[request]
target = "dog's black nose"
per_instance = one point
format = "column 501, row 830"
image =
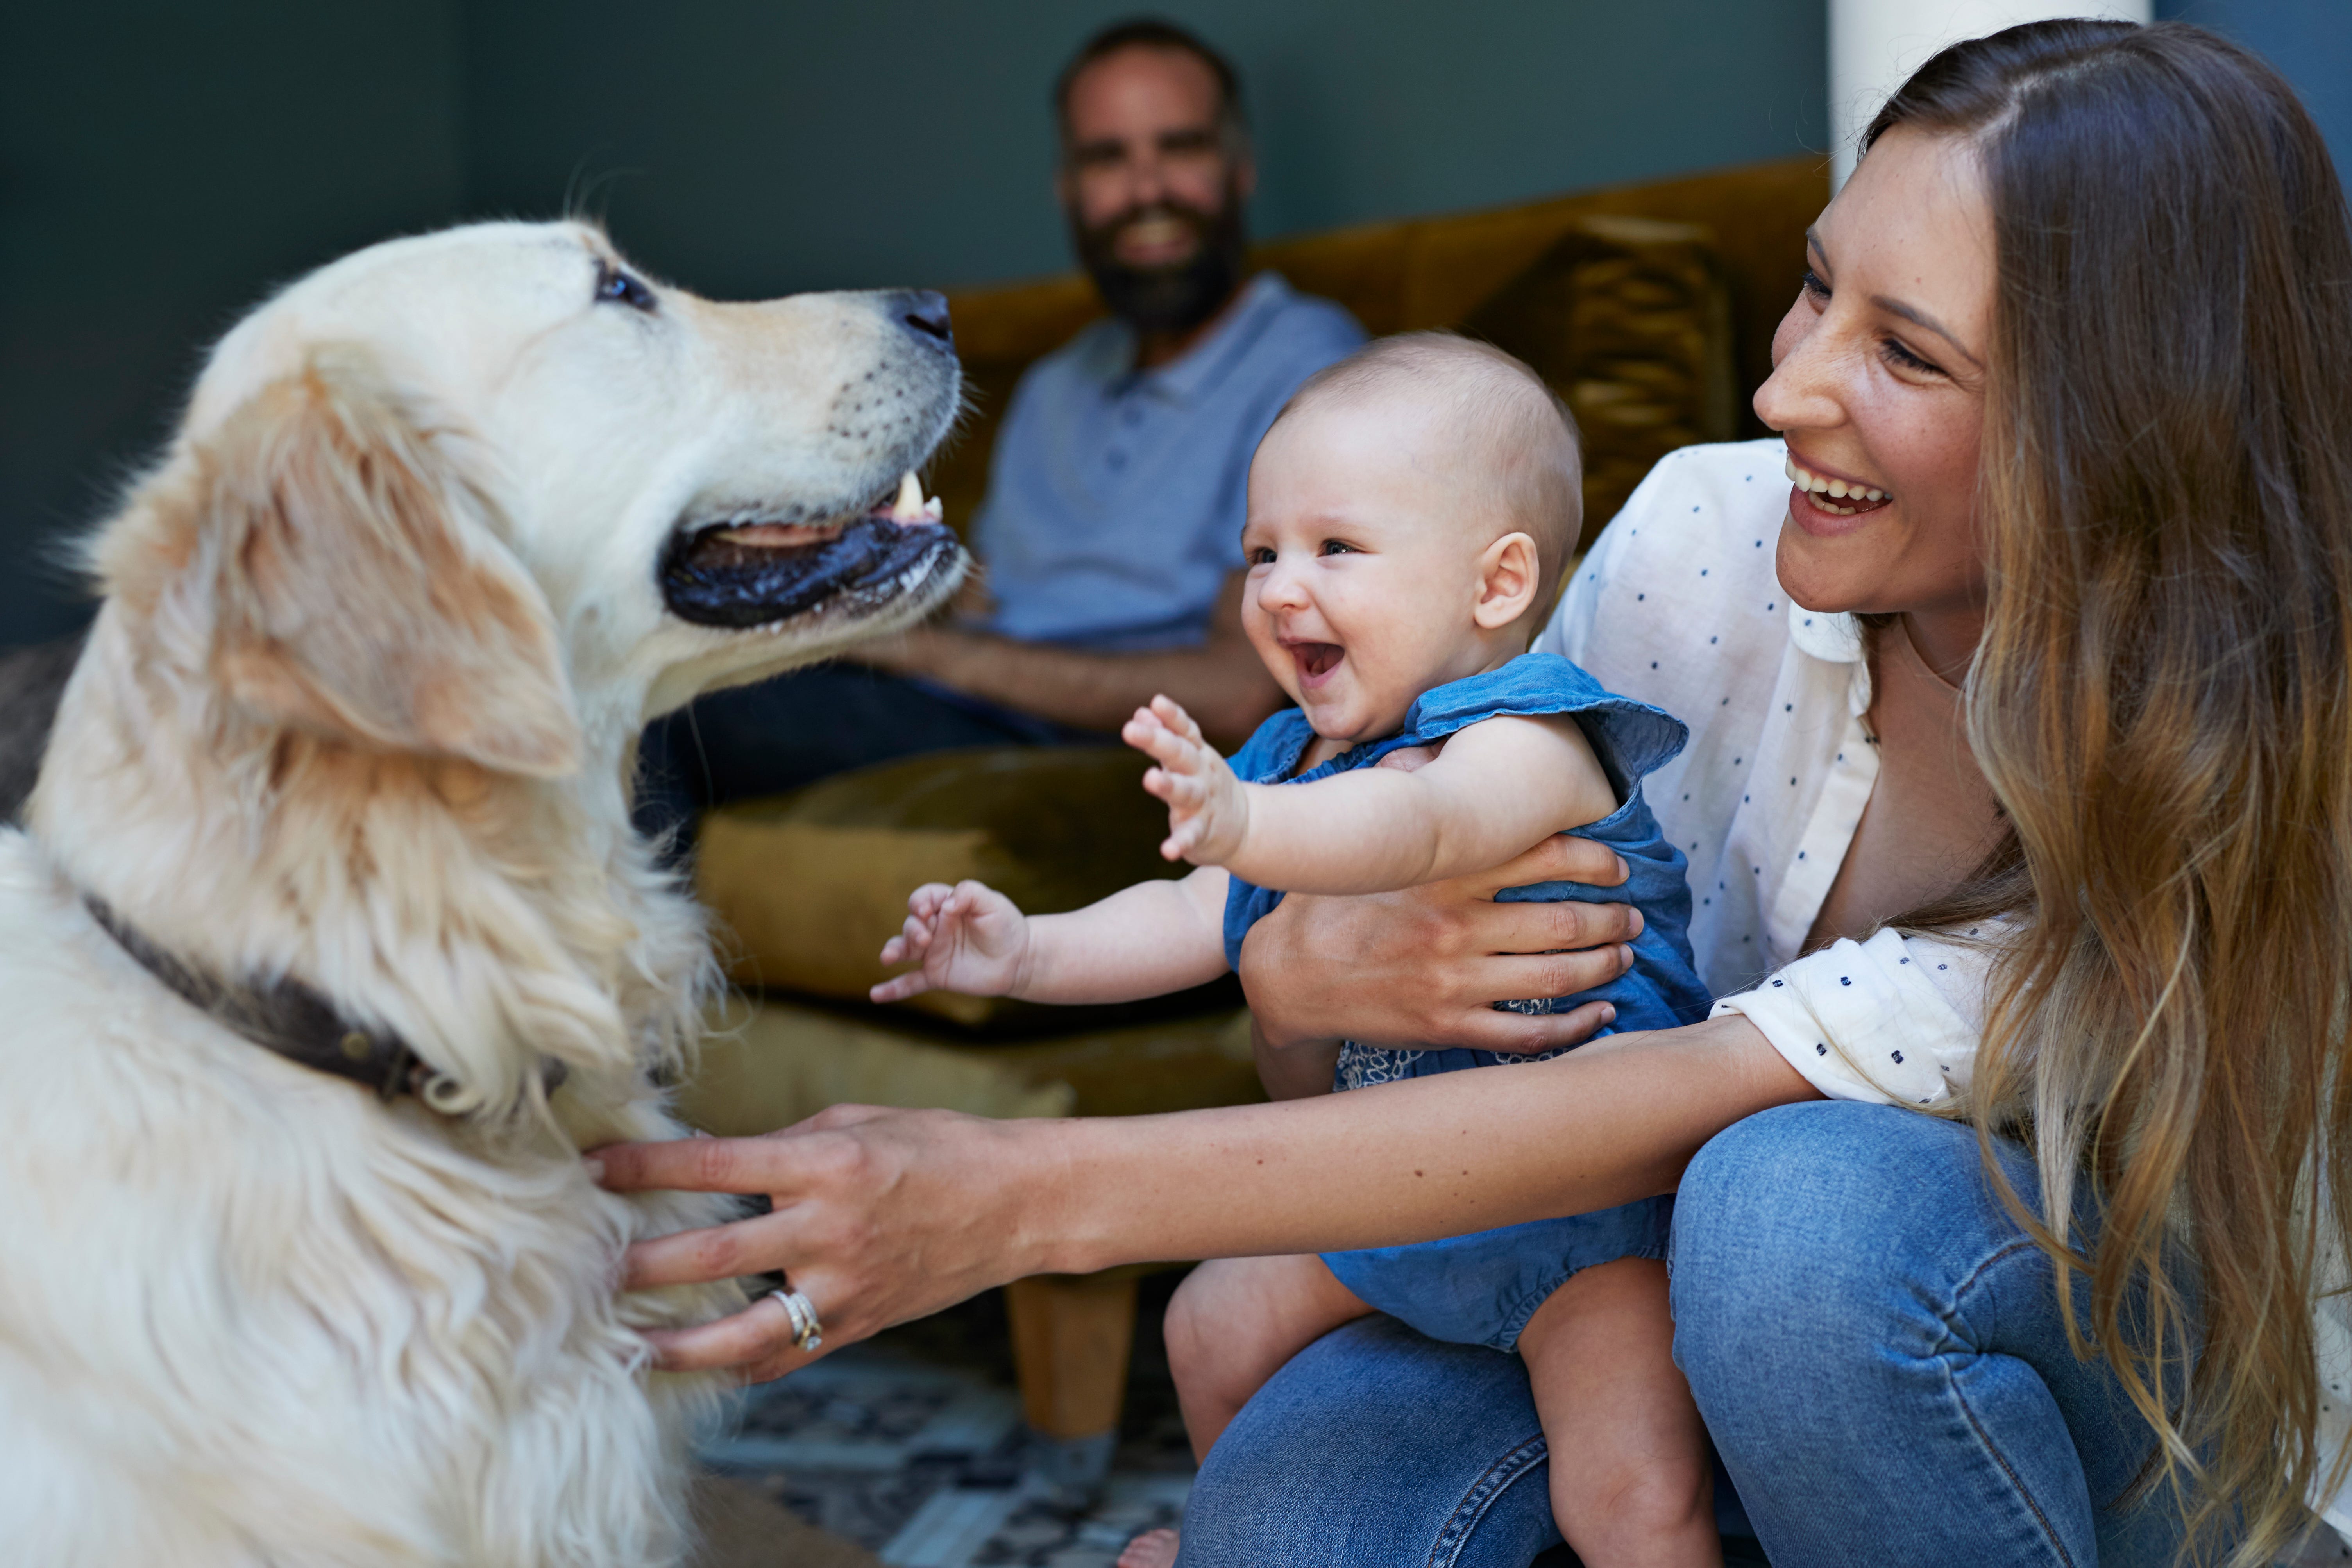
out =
column 924, row 312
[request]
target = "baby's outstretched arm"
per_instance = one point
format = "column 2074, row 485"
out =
column 1144, row 941
column 1498, row 786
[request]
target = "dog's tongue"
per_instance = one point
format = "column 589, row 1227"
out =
column 908, row 507
column 781, row 535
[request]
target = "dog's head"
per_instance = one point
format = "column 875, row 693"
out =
column 487, row 493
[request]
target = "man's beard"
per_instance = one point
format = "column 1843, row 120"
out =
column 1176, row 298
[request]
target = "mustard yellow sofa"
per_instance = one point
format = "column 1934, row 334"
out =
column 1649, row 307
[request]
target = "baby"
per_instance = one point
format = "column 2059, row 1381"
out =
column 1410, row 511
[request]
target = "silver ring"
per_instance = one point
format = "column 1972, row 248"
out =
column 807, row 1333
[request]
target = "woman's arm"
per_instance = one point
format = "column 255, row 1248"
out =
column 884, row 1216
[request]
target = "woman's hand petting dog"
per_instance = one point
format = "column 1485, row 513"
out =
column 969, row 938
column 877, row 1217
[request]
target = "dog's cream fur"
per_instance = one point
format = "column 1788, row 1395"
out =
column 377, row 636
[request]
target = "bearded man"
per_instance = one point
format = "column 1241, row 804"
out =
column 1110, row 535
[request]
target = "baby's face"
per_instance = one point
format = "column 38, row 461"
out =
column 1363, row 563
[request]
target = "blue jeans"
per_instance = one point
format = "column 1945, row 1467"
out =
column 1874, row 1344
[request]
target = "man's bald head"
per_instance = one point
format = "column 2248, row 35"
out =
column 1520, row 463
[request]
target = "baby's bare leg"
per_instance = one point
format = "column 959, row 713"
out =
column 1630, row 1479
column 1233, row 1324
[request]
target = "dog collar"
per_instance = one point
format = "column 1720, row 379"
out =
column 288, row 1018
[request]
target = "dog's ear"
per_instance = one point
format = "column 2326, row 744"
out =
column 358, row 591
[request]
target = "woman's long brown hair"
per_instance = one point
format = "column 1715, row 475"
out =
column 2163, row 705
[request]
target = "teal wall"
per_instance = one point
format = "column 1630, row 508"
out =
column 2310, row 41
column 160, row 164
column 163, row 164
column 753, row 148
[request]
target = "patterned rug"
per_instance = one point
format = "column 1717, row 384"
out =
column 912, row 1446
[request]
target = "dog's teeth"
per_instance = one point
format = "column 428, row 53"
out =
column 932, row 510
column 909, row 507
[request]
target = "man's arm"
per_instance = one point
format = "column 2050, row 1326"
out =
column 1222, row 682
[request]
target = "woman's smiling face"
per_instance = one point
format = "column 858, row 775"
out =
column 1878, row 385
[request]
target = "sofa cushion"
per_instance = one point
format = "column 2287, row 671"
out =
column 1629, row 320
column 770, row 1062
column 807, row 886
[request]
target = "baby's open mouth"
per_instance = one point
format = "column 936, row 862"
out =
column 1316, row 659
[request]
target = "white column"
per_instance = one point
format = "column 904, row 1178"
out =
column 1875, row 44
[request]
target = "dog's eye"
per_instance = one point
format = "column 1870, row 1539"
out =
column 616, row 287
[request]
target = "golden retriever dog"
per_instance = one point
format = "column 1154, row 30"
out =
column 344, row 770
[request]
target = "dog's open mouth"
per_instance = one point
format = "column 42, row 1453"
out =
column 748, row 570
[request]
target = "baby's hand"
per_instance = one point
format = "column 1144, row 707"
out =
column 968, row 937
column 1208, row 807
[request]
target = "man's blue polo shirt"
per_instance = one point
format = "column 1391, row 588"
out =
column 1115, row 496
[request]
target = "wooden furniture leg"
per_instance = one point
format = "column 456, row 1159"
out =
column 1072, row 1335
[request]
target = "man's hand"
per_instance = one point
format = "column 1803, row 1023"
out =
column 1208, row 807
column 1425, row 966
column 968, row 937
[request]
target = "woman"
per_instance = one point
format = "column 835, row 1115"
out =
column 2068, row 394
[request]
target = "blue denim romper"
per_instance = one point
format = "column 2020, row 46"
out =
column 1482, row 1288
